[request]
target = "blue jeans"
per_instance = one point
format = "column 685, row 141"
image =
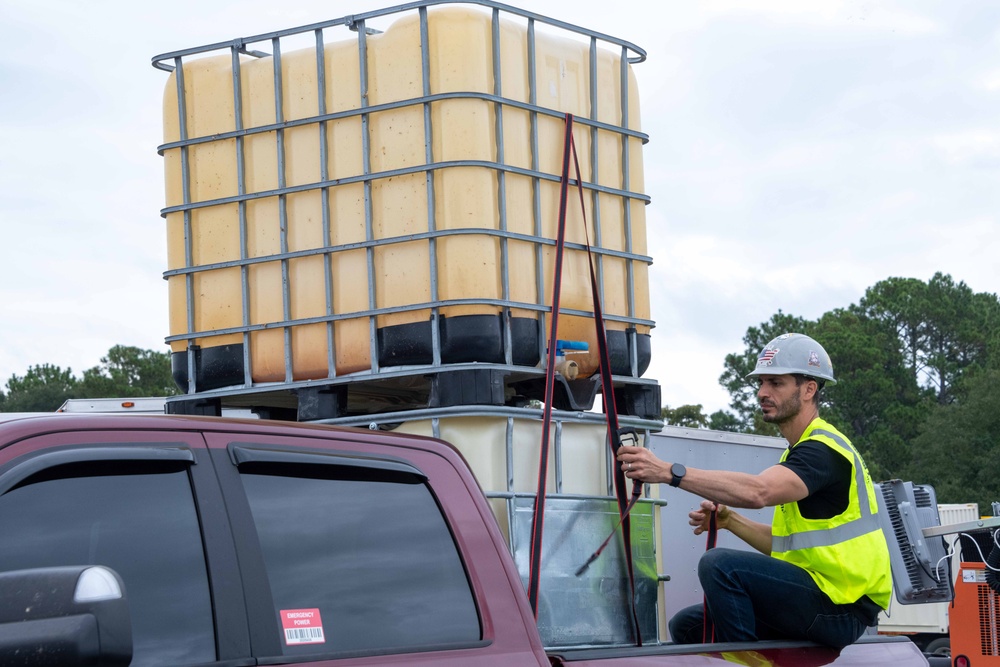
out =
column 751, row 596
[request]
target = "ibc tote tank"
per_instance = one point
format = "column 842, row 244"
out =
column 328, row 204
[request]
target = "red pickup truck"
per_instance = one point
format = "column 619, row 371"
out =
column 165, row 540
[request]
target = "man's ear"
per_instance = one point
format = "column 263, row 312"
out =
column 812, row 388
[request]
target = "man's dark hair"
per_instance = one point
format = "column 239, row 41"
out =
column 800, row 378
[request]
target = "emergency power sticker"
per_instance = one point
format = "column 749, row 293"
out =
column 302, row 626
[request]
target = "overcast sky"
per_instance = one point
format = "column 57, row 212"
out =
column 799, row 153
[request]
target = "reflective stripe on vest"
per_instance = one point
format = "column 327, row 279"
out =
column 825, row 538
column 828, row 537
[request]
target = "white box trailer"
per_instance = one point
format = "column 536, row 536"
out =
column 154, row 405
column 142, row 405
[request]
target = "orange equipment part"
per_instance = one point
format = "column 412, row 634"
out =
column 975, row 619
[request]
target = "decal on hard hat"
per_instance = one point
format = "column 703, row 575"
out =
column 813, row 358
column 302, row 626
column 766, row 355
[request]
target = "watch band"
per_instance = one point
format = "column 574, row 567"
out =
column 677, row 470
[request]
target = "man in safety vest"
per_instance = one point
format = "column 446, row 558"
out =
column 822, row 573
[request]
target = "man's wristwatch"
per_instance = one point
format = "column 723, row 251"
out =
column 678, row 471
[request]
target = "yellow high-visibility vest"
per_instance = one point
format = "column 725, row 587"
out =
column 846, row 555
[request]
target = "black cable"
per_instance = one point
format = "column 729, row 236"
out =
column 992, row 565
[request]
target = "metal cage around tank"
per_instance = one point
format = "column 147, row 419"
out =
column 367, row 224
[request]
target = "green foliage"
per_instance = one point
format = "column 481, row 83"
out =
column 876, row 398
column 900, row 304
column 124, row 372
column 690, row 416
column 720, row 420
column 942, row 327
column 129, row 372
column 915, row 363
column 41, row 389
column 958, row 449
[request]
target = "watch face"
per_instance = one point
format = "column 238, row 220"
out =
column 678, row 471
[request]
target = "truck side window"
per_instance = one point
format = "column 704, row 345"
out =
column 137, row 518
column 372, row 560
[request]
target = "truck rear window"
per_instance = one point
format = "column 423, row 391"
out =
column 360, row 564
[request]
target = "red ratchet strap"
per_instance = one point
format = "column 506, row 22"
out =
column 607, row 386
column 614, row 432
column 708, row 626
column 534, row 570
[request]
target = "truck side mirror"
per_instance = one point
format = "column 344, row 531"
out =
column 76, row 615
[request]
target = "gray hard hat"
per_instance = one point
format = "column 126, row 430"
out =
column 794, row 354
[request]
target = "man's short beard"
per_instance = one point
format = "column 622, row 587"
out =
column 781, row 414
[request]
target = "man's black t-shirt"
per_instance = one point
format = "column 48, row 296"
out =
column 826, row 474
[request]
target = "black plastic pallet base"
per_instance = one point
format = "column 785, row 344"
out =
column 322, row 403
column 639, row 400
column 446, row 388
column 578, row 395
column 210, row 407
column 213, row 407
column 467, row 387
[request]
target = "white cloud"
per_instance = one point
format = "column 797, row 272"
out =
column 990, row 81
column 856, row 14
column 971, row 146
